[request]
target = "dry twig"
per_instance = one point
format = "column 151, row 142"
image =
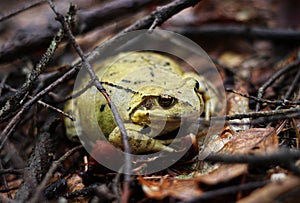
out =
column 19, row 10
column 285, row 158
column 247, row 31
column 261, row 100
column 280, row 72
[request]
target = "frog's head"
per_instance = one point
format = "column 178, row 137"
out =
column 166, row 106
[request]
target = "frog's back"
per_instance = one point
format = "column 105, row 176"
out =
column 127, row 73
column 137, row 68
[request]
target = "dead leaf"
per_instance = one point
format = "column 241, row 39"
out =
column 235, row 104
column 223, row 173
column 74, row 183
column 254, row 140
column 11, row 184
column 183, row 189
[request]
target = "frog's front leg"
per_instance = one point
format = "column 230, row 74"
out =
column 139, row 142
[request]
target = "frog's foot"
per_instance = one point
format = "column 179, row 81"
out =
column 139, row 142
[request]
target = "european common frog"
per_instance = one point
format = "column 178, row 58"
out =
column 152, row 94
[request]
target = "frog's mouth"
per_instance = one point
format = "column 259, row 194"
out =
column 162, row 112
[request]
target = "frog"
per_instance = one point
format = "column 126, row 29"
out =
column 152, row 94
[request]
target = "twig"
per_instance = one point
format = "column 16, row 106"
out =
column 49, row 174
column 78, row 93
column 261, row 100
column 259, row 114
column 11, row 171
column 238, row 30
column 259, row 120
column 292, row 86
column 284, row 158
column 40, row 102
column 280, row 72
column 161, row 14
column 19, row 10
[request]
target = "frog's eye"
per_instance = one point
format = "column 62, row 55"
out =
column 196, row 88
column 165, row 100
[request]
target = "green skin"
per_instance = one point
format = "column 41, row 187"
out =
column 150, row 91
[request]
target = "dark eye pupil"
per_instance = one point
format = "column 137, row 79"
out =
column 196, row 86
column 165, row 101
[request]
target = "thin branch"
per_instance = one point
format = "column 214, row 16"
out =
column 11, row 171
column 161, row 14
column 284, row 157
column 261, row 100
column 238, row 30
column 263, row 120
column 263, row 114
column 292, row 86
column 280, row 72
column 10, row 14
column 78, row 93
column 40, row 102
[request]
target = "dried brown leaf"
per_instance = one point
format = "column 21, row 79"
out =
column 223, row 173
column 254, row 140
column 75, row 183
column 177, row 188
